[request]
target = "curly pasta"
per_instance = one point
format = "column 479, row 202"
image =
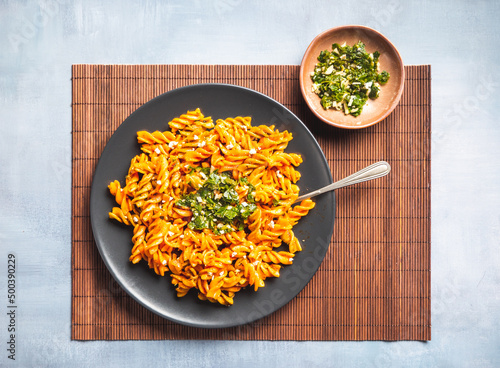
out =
column 173, row 164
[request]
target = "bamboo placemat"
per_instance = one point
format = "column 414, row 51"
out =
column 374, row 283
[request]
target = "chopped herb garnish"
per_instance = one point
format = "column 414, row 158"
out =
column 216, row 204
column 346, row 77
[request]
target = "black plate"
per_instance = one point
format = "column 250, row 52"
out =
column 114, row 239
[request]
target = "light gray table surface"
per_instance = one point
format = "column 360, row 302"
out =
column 41, row 39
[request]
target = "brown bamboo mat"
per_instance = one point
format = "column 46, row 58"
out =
column 374, row 283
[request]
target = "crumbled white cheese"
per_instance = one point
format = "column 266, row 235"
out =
column 351, row 99
column 163, row 201
column 234, row 254
column 182, row 236
column 173, row 144
column 136, row 219
column 278, row 174
column 290, row 259
column 202, row 144
column 271, row 224
column 157, row 151
column 329, row 70
column 170, row 233
column 164, row 262
column 230, row 146
column 253, row 151
column 195, row 137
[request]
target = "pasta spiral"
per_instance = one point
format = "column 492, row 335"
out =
column 174, row 164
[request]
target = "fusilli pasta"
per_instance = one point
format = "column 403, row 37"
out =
column 201, row 252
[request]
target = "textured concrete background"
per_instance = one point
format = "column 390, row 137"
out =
column 40, row 39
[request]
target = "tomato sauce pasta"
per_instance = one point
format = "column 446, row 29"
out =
column 212, row 204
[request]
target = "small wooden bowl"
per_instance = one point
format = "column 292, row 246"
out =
column 375, row 110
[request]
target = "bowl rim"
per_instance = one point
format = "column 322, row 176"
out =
column 302, row 75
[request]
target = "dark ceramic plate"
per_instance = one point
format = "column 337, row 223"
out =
column 156, row 293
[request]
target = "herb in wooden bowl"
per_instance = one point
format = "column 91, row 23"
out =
column 346, row 77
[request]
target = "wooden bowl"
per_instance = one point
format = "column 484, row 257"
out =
column 375, row 110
